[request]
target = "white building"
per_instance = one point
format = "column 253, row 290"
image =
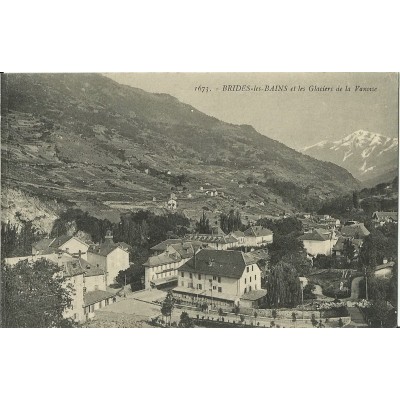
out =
column 172, row 204
column 162, row 268
column 111, row 257
column 220, row 278
column 66, row 243
column 319, row 241
column 258, row 236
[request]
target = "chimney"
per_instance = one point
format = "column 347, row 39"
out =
column 384, row 261
column 109, row 237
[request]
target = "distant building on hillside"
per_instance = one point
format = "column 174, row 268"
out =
column 172, row 204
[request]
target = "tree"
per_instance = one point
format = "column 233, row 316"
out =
column 167, row 306
column 348, row 250
column 185, row 321
column 284, row 246
column 294, row 317
column 34, row 295
column 380, row 311
column 203, row 226
column 356, row 200
column 283, row 287
column 230, row 222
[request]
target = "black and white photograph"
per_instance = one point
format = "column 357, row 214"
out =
column 199, row 200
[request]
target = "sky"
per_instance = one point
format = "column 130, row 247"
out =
column 295, row 118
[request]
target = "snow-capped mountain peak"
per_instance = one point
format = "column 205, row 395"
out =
column 362, row 152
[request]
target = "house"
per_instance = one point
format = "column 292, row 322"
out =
column 385, row 270
column 319, row 241
column 85, row 279
column 212, row 193
column 382, row 217
column 161, row 269
column 220, row 278
column 172, row 204
column 218, row 241
column 355, row 230
column 257, row 236
column 239, row 236
column 66, row 243
column 339, row 247
column 111, row 257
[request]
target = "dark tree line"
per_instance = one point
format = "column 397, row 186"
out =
column 17, row 240
column 95, row 227
column 231, row 221
column 283, row 287
column 203, row 225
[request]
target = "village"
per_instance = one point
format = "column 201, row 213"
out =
column 217, row 278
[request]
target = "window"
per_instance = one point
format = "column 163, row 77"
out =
column 252, row 268
column 182, row 283
column 245, row 280
column 199, row 286
column 214, row 278
column 245, row 290
column 214, row 288
column 255, row 277
column 190, row 275
column 220, row 290
column 255, row 287
column 182, row 274
column 249, row 288
column 247, row 269
column 75, row 317
column 199, row 276
column 219, row 279
column 250, row 279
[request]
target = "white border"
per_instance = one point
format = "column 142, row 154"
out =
column 79, row 36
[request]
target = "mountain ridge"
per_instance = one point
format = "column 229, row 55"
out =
column 367, row 155
column 86, row 138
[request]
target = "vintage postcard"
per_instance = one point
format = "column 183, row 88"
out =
column 215, row 200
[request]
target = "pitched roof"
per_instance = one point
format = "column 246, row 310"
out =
column 77, row 266
column 163, row 245
column 185, row 250
column 254, row 295
column 355, row 230
column 339, row 245
column 237, row 234
column 226, row 263
column 211, row 238
column 60, row 240
column 96, row 296
column 257, row 230
column 104, row 249
column 162, row 259
column 317, row 235
column 385, row 214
